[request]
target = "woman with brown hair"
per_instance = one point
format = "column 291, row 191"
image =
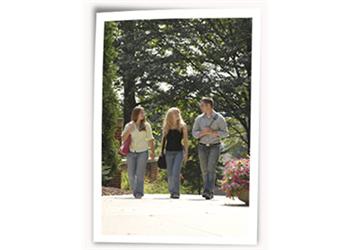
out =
column 175, row 139
column 141, row 139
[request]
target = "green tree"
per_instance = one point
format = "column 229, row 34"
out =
column 110, row 105
column 174, row 62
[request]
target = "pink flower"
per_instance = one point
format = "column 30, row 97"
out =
column 236, row 176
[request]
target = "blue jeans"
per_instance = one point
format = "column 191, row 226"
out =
column 208, row 160
column 137, row 163
column 173, row 164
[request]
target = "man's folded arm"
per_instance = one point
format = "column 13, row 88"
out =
column 223, row 130
column 196, row 129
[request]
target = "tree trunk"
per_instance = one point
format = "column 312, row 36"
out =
column 129, row 99
column 127, row 69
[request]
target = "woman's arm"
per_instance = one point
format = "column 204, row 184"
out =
column 163, row 141
column 127, row 131
column 151, row 145
column 185, row 142
column 150, row 139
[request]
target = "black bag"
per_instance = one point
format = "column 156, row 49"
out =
column 161, row 160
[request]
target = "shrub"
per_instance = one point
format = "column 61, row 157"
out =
column 236, row 177
column 125, row 181
column 110, row 108
column 158, row 186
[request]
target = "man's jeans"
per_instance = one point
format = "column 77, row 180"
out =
column 208, row 159
column 173, row 164
column 137, row 163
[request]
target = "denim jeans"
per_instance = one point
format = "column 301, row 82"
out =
column 173, row 164
column 208, row 160
column 137, row 163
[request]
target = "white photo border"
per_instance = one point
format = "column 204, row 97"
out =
column 103, row 17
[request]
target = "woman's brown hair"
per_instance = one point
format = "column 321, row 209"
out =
column 135, row 114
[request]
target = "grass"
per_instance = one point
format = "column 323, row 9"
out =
column 159, row 186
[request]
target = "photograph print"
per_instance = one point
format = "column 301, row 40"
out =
column 176, row 126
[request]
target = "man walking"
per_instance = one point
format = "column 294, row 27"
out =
column 209, row 127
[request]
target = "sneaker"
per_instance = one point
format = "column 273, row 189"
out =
column 138, row 196
column 206, row 195
column 176, row 196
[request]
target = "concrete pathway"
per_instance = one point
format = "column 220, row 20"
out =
column 158, row 215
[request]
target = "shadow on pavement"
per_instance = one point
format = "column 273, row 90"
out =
column 235, row 205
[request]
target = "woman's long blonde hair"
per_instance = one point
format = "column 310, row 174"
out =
column 168, row 121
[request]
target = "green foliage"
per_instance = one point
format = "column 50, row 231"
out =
column 110, row 107
column 236, row 144
column 125, row 181
column 193, row 58
column 174, row 62
column 106, row 177
column 159, row 186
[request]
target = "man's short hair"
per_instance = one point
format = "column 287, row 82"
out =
column 208, row 100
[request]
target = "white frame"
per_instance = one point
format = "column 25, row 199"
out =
column 101, row 18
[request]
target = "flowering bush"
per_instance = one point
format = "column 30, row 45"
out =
column 236, row 177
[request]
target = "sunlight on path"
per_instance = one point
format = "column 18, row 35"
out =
column 156, row 214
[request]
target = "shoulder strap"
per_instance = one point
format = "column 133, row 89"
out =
column 216, row 116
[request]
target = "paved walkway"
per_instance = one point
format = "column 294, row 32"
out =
column 191, row 215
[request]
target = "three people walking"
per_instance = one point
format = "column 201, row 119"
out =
column 208, row 128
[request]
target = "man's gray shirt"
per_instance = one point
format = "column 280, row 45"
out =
column 203, row 121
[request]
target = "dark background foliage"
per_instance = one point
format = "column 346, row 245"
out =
column 164, row 63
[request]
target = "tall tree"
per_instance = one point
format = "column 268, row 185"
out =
column 110, row 104
column 174, row 62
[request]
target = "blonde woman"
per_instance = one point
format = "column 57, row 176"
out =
column 175, row 139
column 141, row 140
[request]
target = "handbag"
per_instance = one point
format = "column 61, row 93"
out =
column 125, row 147
column 161, row 160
